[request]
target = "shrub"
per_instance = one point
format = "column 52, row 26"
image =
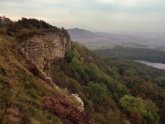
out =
column 72, row 85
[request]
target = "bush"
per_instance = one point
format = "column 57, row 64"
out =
column 2, row 71
column 72, row 85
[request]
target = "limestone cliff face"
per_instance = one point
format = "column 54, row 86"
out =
column 42, row 49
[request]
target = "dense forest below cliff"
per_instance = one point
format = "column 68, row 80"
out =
column 114, row 91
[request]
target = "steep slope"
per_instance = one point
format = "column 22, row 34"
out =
column 92, row 90
column 25, row 96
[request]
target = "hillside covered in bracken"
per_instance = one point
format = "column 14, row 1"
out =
column 113, row 91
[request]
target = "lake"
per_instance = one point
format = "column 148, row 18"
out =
column 156, row 65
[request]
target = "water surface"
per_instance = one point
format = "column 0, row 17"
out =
column 156, row 65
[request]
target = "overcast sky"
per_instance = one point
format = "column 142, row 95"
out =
column 95, row 15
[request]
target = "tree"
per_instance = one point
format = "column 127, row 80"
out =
column 137, row 108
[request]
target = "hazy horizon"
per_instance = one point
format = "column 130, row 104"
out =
column 95, row 15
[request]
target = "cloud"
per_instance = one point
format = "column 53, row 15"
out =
column 93, row 14
column 129, row 2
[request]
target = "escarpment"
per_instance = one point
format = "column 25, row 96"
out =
column 42, row 49
column 27, row 49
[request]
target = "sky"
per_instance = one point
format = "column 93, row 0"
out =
column 94, row 15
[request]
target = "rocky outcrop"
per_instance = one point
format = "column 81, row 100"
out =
column 43, row 49
column 77, row 97
column 40, row 51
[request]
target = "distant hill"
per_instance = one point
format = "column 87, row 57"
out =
column 102, row 40
column 77, row 34
column 82, row 35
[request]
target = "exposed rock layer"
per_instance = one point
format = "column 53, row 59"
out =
column 42, row 49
